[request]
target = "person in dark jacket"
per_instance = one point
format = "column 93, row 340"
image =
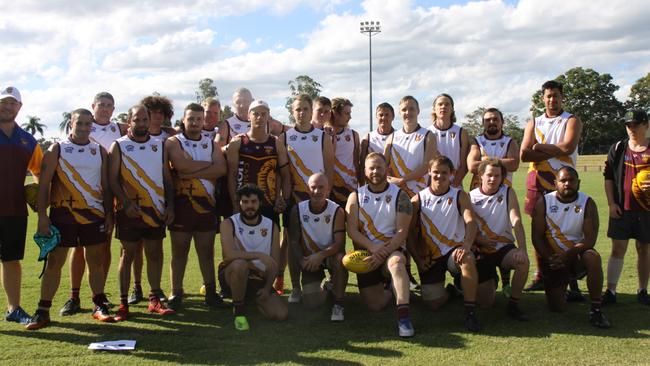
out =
column 627, row 187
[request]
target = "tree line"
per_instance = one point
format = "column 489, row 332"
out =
column 587, row 94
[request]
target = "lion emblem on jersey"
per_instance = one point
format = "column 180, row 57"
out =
column 204, row 146
column 328, row 218
column 389, row 198
column 264, row 232
column 314, row 138
column 450, row 200
column 112, row 128
column 93, row 151
column 578, row 208
column 347, row 138
column 418, row 137
column 500, row 198
column 154, row 147
column 452, row 135
column 501, row 144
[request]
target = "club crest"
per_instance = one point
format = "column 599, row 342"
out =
column 389, row 198
column 314, row 138
column 93, row 151
column 348, row 138
column 305, row 218
column 578, row 208
column 293, row 138
column 154, row 147
column 113, row 129
column 264, row 232
column 328, row 218
column 130, row 148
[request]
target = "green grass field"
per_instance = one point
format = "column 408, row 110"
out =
column 201, row 336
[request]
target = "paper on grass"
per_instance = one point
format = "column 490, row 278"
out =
column 113, row 346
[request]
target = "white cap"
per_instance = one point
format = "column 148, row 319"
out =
column 258, row 103
column 11, row 92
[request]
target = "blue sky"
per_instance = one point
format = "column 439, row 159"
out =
column 60, row 53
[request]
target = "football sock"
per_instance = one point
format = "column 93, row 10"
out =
column 45, row 304
column 470, row 307
column 595, row 305
column 99, row 299
column 239, row 308
column 403, row 311
column 75, row 294
column 124, row 299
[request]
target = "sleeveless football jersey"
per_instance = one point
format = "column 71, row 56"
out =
column 405, row 152
column 236, row 126
column 377, row 141
column 493, row 216
column 254, row 238
column 378, row 213
column 142, row 179
column 163, row 135
column 495, row 149
column 317, row 229
column 345, row 169
column 564, row 221
column 441, row 225
column 195, row 192
column 211, row 134
column 305, row 150
column 105, row 134
column 550, row 131
column 76, row 190
column 448, row 142
column 258, row 164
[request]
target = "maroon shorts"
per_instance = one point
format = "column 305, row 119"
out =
column 81, row 235
column 253, row 285
column 554, row 278
column 487, row 263
column 187, row 220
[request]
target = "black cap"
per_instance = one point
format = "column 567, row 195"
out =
column 635, row 116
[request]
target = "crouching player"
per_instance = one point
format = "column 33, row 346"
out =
column 444, row 241
column 250, row 246
column 497, row 213
column 318, row 239
column 378, row 217
column 565, row 228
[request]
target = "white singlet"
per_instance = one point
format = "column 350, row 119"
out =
column 495, row 149
column 441, row 225
column 405, row 153
column 305, row 150
column 564, row 221
column 345, row 170
column 493, row 215
column 317, row 229
column 256, row 238
column 105, row 134
column 377, row 141
column 448, row 142
column 378, row 213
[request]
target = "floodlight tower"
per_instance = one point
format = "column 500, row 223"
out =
column 370, row 28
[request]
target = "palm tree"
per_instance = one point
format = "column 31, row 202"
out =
column 34, row 125
column 64, row 126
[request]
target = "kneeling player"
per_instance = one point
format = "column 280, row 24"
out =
column 74, row 181
column 447, row 232
column 318, row 239
column 251, row 252
column 565, row 228
column 378, row 217
column 497, row 213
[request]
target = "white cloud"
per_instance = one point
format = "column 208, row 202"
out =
column 483, row 53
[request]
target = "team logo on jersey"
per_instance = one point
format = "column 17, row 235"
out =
column 237, row 126
column 154, row 147
column 186, row 143
column 82, row 150
column 293, row 138
column 93, row 129
column 241, row 230
column 24, row 141
column 69, row 149
column 478, row 203
column 348, row 138
column 427, row 202
column 112, row 128
column 418, row 138
column 264, row 232
column 452, row 135
column 93, row 151
column 501, row 144
column 130, row 148
column 377, row 199
column 305, row 218
column 554, row 209
column 251, row 232
column 389, row 198
column 268, row 150
column 204, row 146
column 500, row 198
column 303, row 138
column 316, row 219
column 328, row 218
column 314, row 138
column 366, row 199
column 566, row 209
column 449, row 200
column 578, row 208
column 142, row 147
column 9, row 90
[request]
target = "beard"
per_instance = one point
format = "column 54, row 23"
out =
column 140, row 132
column 250, row 214
column 492, row 130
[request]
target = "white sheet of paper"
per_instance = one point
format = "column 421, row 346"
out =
column 113, row 346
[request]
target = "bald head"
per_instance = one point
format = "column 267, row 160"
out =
column 319, row 187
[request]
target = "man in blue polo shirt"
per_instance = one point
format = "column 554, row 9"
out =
column 19, row 152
